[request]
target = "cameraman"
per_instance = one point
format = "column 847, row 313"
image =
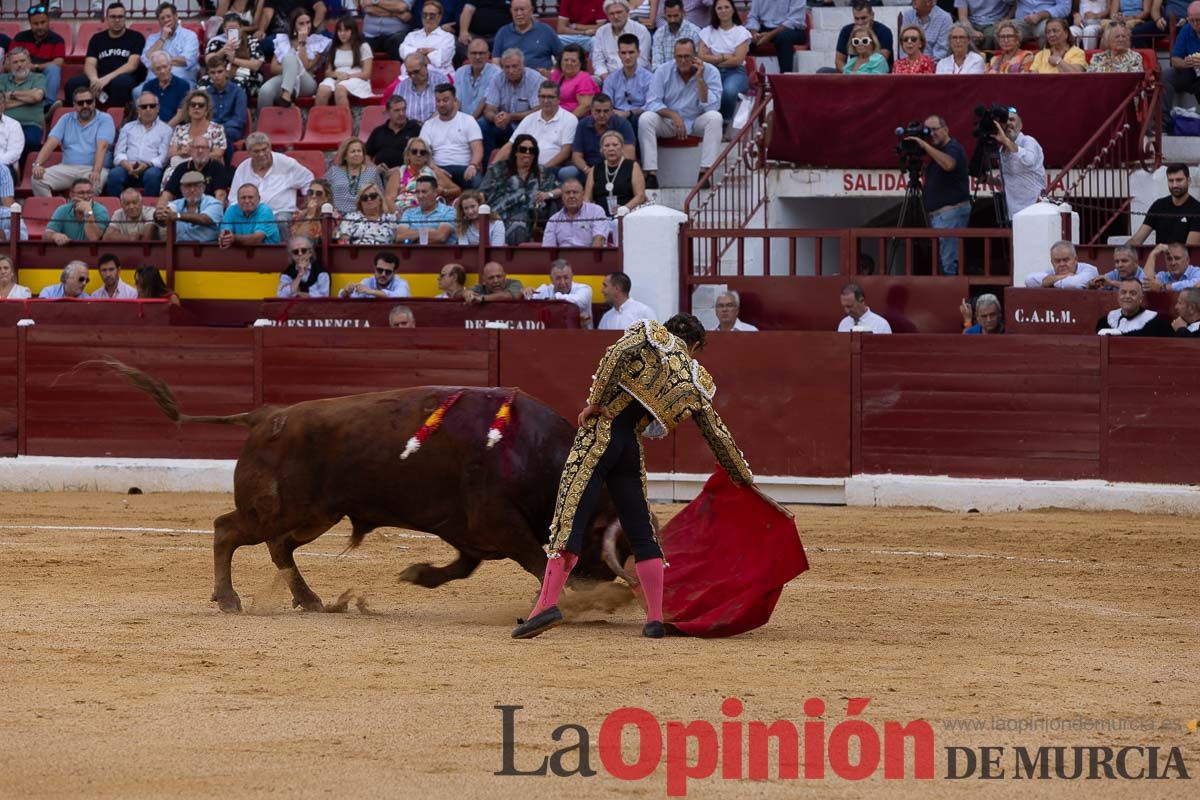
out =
column 947, row 190
column 1021, row 165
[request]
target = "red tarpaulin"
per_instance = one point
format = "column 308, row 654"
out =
column 851, row 120
column 730, row 553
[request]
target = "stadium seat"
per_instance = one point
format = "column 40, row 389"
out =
column 328, row 127
column 146, row 27
column 283, row 125
column 118, row 115
column 111, row 204
column 382, row 74
column 63, row 29
column 198, row 29
column 313, row 159
column 372, row 118
column 25, row 189
column 59, row 113
column 36, row 212
column 69, row 70
column 83, row 36
column 10, row 28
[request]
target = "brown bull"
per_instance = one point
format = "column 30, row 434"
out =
column 305, row 467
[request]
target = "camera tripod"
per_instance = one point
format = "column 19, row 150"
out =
column 914, row 204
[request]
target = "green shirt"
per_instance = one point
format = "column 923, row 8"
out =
column 63, row 220
column 32, row 114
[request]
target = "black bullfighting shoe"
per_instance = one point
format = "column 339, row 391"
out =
column 535, row 626
column 654, row 630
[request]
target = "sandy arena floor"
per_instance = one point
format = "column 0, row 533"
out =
column 121, row 680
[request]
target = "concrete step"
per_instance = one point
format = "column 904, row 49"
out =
column 1181, row 148
column 806, row 61
column 824, row 41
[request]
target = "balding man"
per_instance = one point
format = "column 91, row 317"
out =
column 494, row 284
column 536, row 40
column 417, row 88
column 563, row 287
column 170, row 89
column 1187, row 309
column 141, row 152
column 1180, row 274
column 1065, row 272
column 71, row 282
column 728, row 306
column 1131, row 317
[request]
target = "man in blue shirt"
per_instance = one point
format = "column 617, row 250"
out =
column 629, row 86
column 431, row 221
column 170, row 89
column 86, row 137
column 1185, row 57
column 510, row 97
column 228, row 103
column 180, row 44
column 385, row 283
column 472, row 79
column 1178, row 275
column 195, row 215
column 683, row 101
column 1032, row 16
column 989, row 318
column 536, row 40
column 781, row 23
column 248, row 222
column 585, row 150
column 982, row 16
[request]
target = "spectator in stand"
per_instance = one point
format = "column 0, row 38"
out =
column 605, row 58
column 858, row 313
column 864, row 17
column 248, row 222
column 197, row 123
column 579, row 223
column 554, row 129
column 1125, row 268
column 400, row 193
column 683, row 100
column 113, row 66
column 276, row 176
column 455, row 139
column 1090, row 19
column 963, row 60
column 617, row 180
column 578, row 21
column 12, row 139
column 1117, row 57
column 349, row 171
column 1032, row 15
column 217, row 177
column 383, row 284
column 1131, row 317
column 387, row 143
column 1160, row 19
column 518, row 191
column 695, row 11
column 150, row 286
column 402, row 317
column 170, row 89
column 1022, row 166
column 914, row 60
column 1187, row 310
column 482, row 18
column 452, row 281
column 142, row 151
column 298, row 55
column 1060, row 55
column 510, row 98
column 725, row 44
column 227, row 101
column 431, row 40
column 369, row 223
column 989, row 318
column 563, row 287
column 780, row 23
column 1178, row 275
column 9, row 288
column 133, row 221
column 536, row 40
column 385, row 23
column 241, row 54
column 80, row 219
column 472, row 79
column 866, row 59
column 348, row 67
column 47, row 50
column 981, row 16
column 629, row 87
column 585, row 150
column 494, row 285
column 575, row 87
column 195, row 215
column 6, row 202
column 1184, row 76
column 419, row 88
column 1065, row 272
column 625, row 310
column 71, row 283
column 429, row 222
column 1010, row 59
column 934, row 22
column 307, row 220
column 111, row 286
column 727, row 307
column 180, row 44
column 86, row 138
column 466, row 226
column 947, row 195
column 304, row 276
column 673, row 28
column 23, row 91
column 1134, row 14
column 1174, row 218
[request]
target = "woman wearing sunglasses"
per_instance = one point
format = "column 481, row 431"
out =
column 1010, row 59
column 303, row 276
column 196, row 124
column 369, row 223
column 401, row 190
column 306, row 221
column 914, row 61
column 518, row 192
column 864, row 54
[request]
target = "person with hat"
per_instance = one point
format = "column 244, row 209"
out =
column 195, row 215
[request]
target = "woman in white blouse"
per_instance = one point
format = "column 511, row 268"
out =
column 963, row 60
column 9, row 288
column 349, row 66
column 297, row 58
column 724, row 44
column 434, row 41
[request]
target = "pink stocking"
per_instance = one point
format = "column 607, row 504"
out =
column 650, row 573
column 557, row 572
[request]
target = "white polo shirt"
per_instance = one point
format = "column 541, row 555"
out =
column 451, row 141
column 551, row 134
column 277, row 189
column 618, row 319
column 871, row 320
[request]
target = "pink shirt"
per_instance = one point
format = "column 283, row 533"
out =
column 571, row 89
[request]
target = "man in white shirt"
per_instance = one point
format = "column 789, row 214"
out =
column 1022, row 165
column 431, row 39
column 276, row 176
column 455, row 139
column 132, row 222
column 604, row 47
column 858, row 313
column 141, row 153
column 1065, row 272
column 113, row 287
column 554, row 129
column 562, row 287
column 12, row 138
column 728, row 305
column 625, row 310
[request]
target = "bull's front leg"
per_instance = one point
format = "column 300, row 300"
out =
column 432, row 577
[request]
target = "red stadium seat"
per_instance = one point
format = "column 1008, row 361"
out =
column 69, row 70
column 238, row 157
column 372, row 118
column 59, row 113
column 10, row 28
column 63, row 29
column 112, row 204
column 36, row 212
column 118, row 116
column 313, row 159
column 83, row 36
column 145, row 28
column 328, row 127
column 281, row 124
column 25, row 189
column 198, row 29
column 382, row 74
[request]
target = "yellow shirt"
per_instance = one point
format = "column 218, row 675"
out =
column 1041, row 62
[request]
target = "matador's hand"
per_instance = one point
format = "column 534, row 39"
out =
column 592, row 410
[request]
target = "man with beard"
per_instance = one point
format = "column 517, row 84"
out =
column 1174, row 218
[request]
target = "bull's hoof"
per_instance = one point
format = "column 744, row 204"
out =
column 229, row 604
column 417, row 574
column 535, row 626
column 312, row 603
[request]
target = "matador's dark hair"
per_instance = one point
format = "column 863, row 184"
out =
column 688, row 328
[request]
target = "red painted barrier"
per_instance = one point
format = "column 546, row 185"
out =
column 1066, row 311
column 429, row 313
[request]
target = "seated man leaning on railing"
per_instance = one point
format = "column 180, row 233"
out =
column 1065, row 272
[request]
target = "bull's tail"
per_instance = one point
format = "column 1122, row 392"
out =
column 163, row 396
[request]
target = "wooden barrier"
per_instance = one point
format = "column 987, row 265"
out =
column 429, row 313
column 94, row 312
column 1067, row 311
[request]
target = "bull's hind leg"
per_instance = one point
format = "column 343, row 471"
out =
column 432, row 577
column 229, row 534
column 282, row 553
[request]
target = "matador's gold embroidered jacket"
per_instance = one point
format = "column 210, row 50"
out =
column 653, row 365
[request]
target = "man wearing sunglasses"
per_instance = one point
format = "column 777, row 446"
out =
column 383, row 284
column 71, row 283
column 113, row 67
column 46, row 48
column 936, row 24
column 141, row 153
column 86, row 137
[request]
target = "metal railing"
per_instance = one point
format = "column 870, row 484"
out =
column 93, row 9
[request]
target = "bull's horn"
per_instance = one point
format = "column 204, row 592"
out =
column 609, row 550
